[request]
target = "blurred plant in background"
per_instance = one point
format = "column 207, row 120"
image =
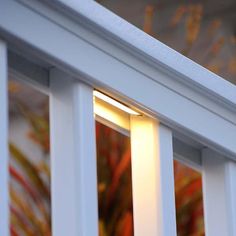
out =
column 30, row 181
column 190, row 28
column 30, row 196
column 208, row 40
column 186, row 26
column 204, row 31
column 114, row 182
column 115, row 189
column 189, row 201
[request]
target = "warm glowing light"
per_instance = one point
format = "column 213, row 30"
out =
column 111, row 114
column 114, row 103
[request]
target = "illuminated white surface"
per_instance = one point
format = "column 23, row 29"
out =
column 114, row 103
column 152, row 178
column 111, row 114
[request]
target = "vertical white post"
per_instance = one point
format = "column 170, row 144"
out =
column 152, row 178
column 219, row 191
column 74, row 171
column 4, row 201
column 231, row 189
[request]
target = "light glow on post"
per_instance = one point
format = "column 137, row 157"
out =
column 114, row 103
column 152, row 177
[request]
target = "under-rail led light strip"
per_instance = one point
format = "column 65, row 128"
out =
column 114, row 103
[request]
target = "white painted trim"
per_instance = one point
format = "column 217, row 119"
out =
column 83, row 44
column 73, row 157
column 111, row 114
column 169, row 98
column 37, row 77
column 152, row 178
column 231, row 190
column 120, row 121
column 187, row 155
column 87, row 30
column 219, row 194
column 4, row 174
column 29, row 70
column 146, row 45
column 16, row 75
